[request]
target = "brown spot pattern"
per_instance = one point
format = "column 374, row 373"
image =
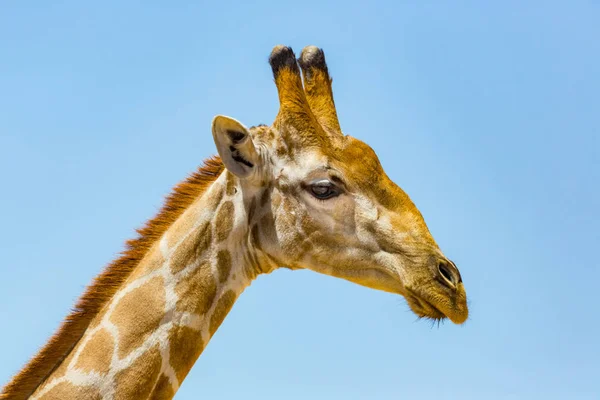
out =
column 163, row 389
column 136, row 381
column 151, row 262
column 191, row 248
column 186, row 223
column 287, row 207
column 220, row 312
column 275, row 200
column 230, row 188
column 224, row 221
column 252, row 210
column 106, row 284
column 281, row 151
column 305, row 247
column 255, row 237
column 66, row 390
column 264, row 198
column 181, row 227
column 267, row 227
column 214, row 197
column 97, row 353
column 186, row 347
column 223, row 265
column 62, row 369
column 139, row 314
column 196, row 293
column 308, row 225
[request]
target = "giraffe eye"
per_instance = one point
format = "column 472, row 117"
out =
column 323, row 190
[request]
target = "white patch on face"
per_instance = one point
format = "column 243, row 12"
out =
column 367, row 207
column 365, row 212
column 297, row 171
column 389, row 261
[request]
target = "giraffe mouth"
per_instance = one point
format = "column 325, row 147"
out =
column 424, row 308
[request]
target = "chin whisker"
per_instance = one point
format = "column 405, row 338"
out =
column 421, row 312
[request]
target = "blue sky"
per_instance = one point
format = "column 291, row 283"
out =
column 487, row 115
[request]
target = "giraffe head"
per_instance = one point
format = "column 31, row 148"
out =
column 320, row 200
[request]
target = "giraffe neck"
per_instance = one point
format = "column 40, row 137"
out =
column 147, row 338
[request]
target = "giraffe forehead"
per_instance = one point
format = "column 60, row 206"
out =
column 348, row 155
column 355, row 160
column 361, row 167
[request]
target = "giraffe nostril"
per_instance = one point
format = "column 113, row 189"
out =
column 449, row 273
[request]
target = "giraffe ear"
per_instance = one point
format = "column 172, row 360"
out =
column 235, row 146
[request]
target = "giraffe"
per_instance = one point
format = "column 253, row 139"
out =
column 298, row 194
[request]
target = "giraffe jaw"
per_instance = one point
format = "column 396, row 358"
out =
column 423, row 308
column 438, row 307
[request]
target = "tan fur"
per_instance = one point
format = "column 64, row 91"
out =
column 317, row 86
column 136, row 381
column 231, row 182
column 200, row 285
column 97, row 353
column 194, row 244
column 139, row 314
column 163, row 389
column 66, row 390
column 223, row 306
column 223, row 265
column 225, row 221
column 295, row 120
column 186, row 346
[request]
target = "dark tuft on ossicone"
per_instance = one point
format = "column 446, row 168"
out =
column 312, row 57
column 283, row 57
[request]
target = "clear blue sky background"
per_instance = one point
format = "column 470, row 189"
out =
column 487, row 115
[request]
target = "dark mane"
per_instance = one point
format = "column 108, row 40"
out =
column 106, row 284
